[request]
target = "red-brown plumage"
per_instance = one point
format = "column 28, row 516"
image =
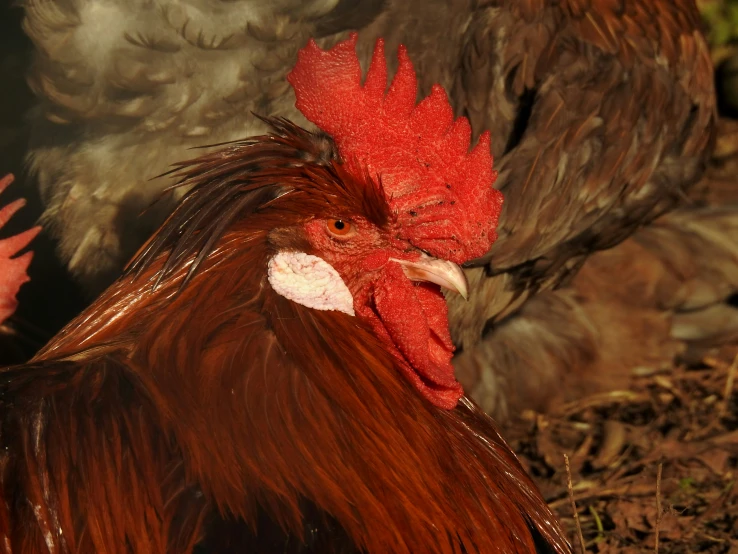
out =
column 193, row 405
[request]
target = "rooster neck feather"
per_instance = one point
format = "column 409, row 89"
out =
column 269, row 425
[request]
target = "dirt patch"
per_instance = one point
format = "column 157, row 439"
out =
column 654, row 463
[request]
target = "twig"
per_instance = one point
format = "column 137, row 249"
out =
column 598, row 523
column 592, row 493
column 658, row 506
column 573, row 504
column 728, row 390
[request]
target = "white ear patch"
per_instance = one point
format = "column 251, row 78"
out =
column 310, row 281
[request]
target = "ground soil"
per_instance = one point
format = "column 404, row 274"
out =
column 652, row 469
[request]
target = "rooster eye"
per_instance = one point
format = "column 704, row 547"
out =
column 340, row 227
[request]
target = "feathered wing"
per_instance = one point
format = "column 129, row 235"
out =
column 88, row 462
column 601, row 118
column 667, row 293
column 697, row 278
column 613, row 112
column 663, row 294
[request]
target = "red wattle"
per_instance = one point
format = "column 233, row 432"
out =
column 415, row 319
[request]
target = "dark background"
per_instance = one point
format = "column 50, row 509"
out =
column 50, row 299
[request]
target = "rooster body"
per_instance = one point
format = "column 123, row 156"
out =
column 273, row 373
column 603, row 114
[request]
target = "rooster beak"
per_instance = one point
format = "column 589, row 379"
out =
column 441, row 272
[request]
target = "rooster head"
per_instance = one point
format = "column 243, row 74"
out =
column 434, row 208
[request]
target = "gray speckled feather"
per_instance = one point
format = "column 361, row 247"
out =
column 127, row 86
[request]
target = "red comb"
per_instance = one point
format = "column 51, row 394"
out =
column 442, row 193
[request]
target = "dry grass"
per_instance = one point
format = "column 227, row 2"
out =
column 652, row 469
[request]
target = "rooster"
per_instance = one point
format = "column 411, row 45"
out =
column 273, row 373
